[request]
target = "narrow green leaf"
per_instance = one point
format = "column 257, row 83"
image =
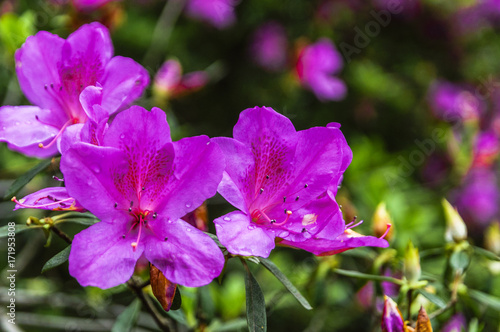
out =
column 256, row 306
column 486, row 253
column 82, row 221
column 433, row 298
column 177, row 301
column 216, row 240
column 23, row 180
column 127, row 319
column 287, row 283
column 57, row 260
column 360, row 275
column 4, row 230
column 487, row 299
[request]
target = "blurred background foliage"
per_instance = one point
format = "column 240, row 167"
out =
column 385, row 117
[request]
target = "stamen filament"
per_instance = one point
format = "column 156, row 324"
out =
column 69, row 122
column 14, row 199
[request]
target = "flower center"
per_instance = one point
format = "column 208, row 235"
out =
column 141, row 219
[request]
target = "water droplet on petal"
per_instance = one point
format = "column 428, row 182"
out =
column 283, row 234
column 188, row 229
column 169, row 221
column 122, row 136
column 307, row 235
column 188, row 205
column 18, row 123
column 96, row 168
column 250, row 227
column 226, row 219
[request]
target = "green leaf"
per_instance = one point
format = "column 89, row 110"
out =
column 486, row 253
column 57, row 260
column 82, row 221
column 433, row 298
column 459, row 260
column 256, row 306
column 177, row 301
column 23, row 180
column 127, row 319
column 4, row 230
column 287, row 283
column 360, row 275
column 216, row 240
column 487, row 299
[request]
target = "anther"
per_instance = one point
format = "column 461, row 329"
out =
column 304, row 230
column 52, row 85
column 166, row 238
column 57, row 179
column 131, row 203
column 155, row 215
column 261, row 190
column 116, row 205
column 123, row 236
column 129, row 209
column 45, row 87
column 267, row 176
column 143, row 188
column 273, row 221
column 306, row 185
column 296, row 198
column 284, row 199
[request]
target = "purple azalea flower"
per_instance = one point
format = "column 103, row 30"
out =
column 269, row 46
column 486, row 149
column 392, row 320
column 139, row 184
column 219, row 13
column 456, row 323
column 92, row 131
column 452, row 102
column 88, row 5
column 477, row 200
column 316, row 65
column 170, row 82
column 52, row 73
column 275, row 177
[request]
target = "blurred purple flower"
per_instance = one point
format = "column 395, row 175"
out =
column 456, row 323
column 139, row 184
column 170, row 82
column 219, row 13
column 452, row 102
column 52, row 73
column 486, row 149
column 316, row 65
column 275, row 177
column 406, row 8
column 478, row 198
column 392, row 320
column 88, row 5
column 269, row 46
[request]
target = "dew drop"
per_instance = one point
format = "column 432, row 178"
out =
column 96, row 169
column 226, row 219
column 122, row 136
column 250, row 227
column 169, row 221
column 307, row 235
column 188, row 229
column 188, row 205
column 284, row 234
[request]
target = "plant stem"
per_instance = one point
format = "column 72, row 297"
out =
column 136, row 287
column 61, row 234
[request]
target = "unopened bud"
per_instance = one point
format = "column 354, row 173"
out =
column 455, row 226
column 381, row 218
column 423, row 322
column 32, row 220
column 492, row 238
column 392, row 320
column 412, row 269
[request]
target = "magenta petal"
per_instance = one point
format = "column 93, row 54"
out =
column 71, row 135
column 184, row 254
column 23, row 131
column 90, row 96
column 219, row 13
column 90, row 173
column 102, row 257
column 36, row 68
column 124, row 81
column 328, row 87
column 140, row 129
column 94, row 39
column 235, row 176
column 199, row 166
column 242, row 237
column 392, row 321
column 52, row 198
column 168, row 76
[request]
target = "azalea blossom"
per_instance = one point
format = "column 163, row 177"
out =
column 316, row 65
column 279, row 180
column 269, row 46
column 392, row 320
column 140, row 184
column 454, row 102
column 52, row 73
column 92, row 131
column 170, row 82
column 219, row 13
